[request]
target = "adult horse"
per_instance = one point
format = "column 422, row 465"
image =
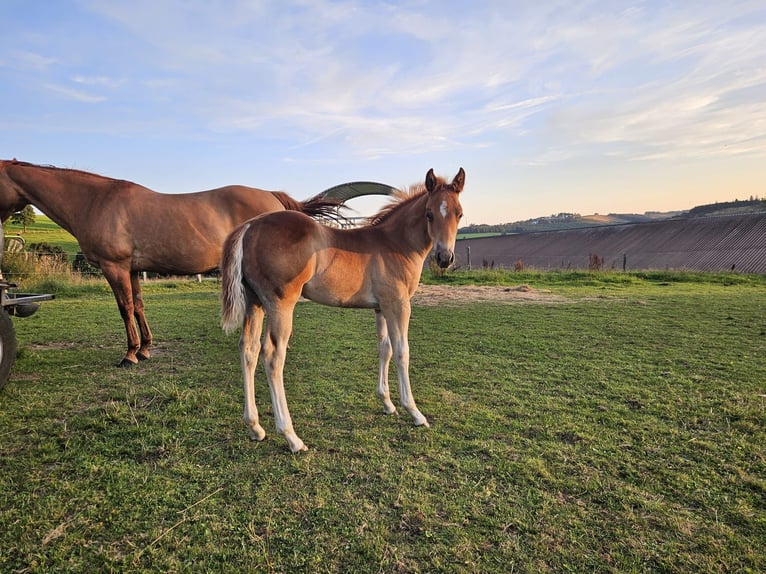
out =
column 126, row 228
column 270, row 261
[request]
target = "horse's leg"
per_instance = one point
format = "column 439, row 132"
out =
column 397, row 317
column 138, row 311
column 384, row 353
column 249, row 348
column 279, row 323
column 119, row 280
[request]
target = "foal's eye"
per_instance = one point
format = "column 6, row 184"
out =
column 430, row 215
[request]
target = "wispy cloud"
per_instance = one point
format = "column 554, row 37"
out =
column 363, row 75
column 76, row 95
column 99, row 81
column 26, row 60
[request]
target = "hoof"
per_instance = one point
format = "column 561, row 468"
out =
column 422, row 421
column 388, row 407
column 418, row 418
column 296, row 445
column 142, row 357
column 257, row 433
column 126, row 364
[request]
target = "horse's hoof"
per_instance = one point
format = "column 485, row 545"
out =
column 296, row 445
column 257, row 433
column 143, row 357
column 126, row 364
column 388, row 407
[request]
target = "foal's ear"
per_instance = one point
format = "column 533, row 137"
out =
column 459, row 181
column 430, row 180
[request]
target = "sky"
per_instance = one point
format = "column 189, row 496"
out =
column 577, row 107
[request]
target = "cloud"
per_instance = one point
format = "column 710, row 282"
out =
column 548, row 81
column 99, row 81
column 676, row 85
column 76, row 95
column 26, row 60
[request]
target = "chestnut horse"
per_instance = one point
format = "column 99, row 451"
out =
column 125, row 228
column 270, row 261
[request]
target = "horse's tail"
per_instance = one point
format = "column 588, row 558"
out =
column 317, row 206
column 232, row 285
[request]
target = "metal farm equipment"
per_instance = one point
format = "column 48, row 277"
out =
column 14, row 304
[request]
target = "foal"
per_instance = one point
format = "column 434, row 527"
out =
column 271, row 260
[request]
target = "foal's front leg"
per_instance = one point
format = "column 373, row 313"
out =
column 384, row 354
column 397, row 318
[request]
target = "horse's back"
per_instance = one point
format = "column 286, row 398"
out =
column 241, row 201
column 280, row 229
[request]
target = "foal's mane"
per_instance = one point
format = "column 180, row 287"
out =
column 400, row 199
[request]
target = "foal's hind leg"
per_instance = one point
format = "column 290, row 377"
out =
column 384, row 354
column 249, row 348
column 279, row 324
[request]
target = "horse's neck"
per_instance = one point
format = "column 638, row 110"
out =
column 407, row 228
column 60, row 194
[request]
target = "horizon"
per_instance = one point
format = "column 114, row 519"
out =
column 596, row 108
column 463, row 224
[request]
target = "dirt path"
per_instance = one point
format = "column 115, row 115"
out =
column 459, row 294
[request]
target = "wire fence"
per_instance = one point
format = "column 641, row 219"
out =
column 34, row 268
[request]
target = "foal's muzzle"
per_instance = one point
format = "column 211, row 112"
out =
column 444, row 258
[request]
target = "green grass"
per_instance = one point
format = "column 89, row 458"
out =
column 477, row 235
column 621, row 430
column 43, row 230
column 581, row 278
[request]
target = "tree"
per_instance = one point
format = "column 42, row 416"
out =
column 25, row 217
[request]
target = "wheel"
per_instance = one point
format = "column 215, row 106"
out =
column 7, row 346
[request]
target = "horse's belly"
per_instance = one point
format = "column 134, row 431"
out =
column 339, row 295
column 182, row 262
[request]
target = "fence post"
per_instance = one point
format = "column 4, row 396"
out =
column 468, row 254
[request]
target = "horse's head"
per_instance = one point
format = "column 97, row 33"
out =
column 11, row 199
column 443, row 212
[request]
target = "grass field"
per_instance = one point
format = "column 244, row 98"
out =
column 43, row 230
column 619, row 428
column 476, row 235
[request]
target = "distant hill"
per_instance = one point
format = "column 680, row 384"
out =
column 565, row 221
column 575, row 220
column 736, row 207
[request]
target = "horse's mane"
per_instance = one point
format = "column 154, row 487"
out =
column 55, row 168
column 400, row 198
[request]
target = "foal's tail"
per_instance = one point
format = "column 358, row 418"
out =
column 233, row 288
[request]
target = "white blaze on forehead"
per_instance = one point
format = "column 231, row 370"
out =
column 443, row 208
